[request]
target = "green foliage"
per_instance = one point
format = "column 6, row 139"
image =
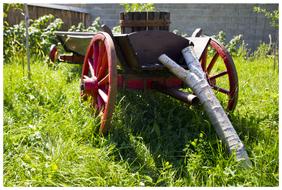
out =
column 79, row 28
column 50, row 137
column 265, row 49
column 94, row 27
column 243, row 50
column 138, row 7
column 41, row 36
column 273, row 16
column 236, row 46
column 261, row 51
column 221, row 37
column 116, row 30
column 13, row 42
column 8, row 6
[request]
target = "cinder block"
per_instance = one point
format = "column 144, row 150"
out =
column 233, row 19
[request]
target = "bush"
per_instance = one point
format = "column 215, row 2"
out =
column 273, row 16
column 116, row 30
column 221, row 37
column 13, row 42
column 236, row 46
column 261, row 51
column 138, row 7
column 41, row 36
column 94, row 27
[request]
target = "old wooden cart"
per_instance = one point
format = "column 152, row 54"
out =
column 142, row 60
column 131, row 61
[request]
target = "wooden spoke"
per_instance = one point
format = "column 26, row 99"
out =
column 103, row 95
column 86, row 78
column 213, row 61
column 91, row 68
column 103, row 67
column 104, row 80
column 218, row 75
column 99, row 103
column 100, row 56
column 95, row 56
column 222, row 90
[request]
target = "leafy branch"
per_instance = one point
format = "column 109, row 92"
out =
column 138, row 7
column 273, row 16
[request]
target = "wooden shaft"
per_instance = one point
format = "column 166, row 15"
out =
column 192, row 61
column 214, row 110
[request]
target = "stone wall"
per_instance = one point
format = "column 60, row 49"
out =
column 233, row 19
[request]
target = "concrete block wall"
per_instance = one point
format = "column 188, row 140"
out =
column 233, row 19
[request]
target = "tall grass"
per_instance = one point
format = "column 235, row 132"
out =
column 51, row 139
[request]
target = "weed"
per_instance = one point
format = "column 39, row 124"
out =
column 51, row 139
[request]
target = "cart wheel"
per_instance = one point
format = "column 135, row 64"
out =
column 221, row 74
column 99, row 77
column 53, row 54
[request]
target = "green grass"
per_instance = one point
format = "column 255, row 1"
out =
column 50, row 136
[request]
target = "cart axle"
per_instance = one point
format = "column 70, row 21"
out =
column 187, row 98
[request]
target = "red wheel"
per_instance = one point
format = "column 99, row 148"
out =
column 221, row 74
column 53, row 54
column 99, row 77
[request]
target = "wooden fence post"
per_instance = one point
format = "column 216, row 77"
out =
column 27, row 39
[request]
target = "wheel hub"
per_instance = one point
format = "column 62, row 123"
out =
column 89, row 85
column 212, row 82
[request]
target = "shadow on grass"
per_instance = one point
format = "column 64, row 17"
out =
column 156, row 121
column 165, row 126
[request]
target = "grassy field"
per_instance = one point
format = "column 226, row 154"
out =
column 50, row 136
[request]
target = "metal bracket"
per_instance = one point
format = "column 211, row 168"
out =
column 197, row 32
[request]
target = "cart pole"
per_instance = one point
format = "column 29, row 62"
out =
column 214, row 110
column 27, row 40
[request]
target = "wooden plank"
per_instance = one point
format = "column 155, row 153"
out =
column 200, row 44
column 59, row 7
column 149, row 45
column 127, row 52
column 153, row 16
column 139, row 21
column 166, row 17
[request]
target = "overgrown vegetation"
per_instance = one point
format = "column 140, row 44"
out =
column 138, row 7
column 50, row 136
column 94, row 27
column 41, row 36
column 273, row 15
column 236, row 46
